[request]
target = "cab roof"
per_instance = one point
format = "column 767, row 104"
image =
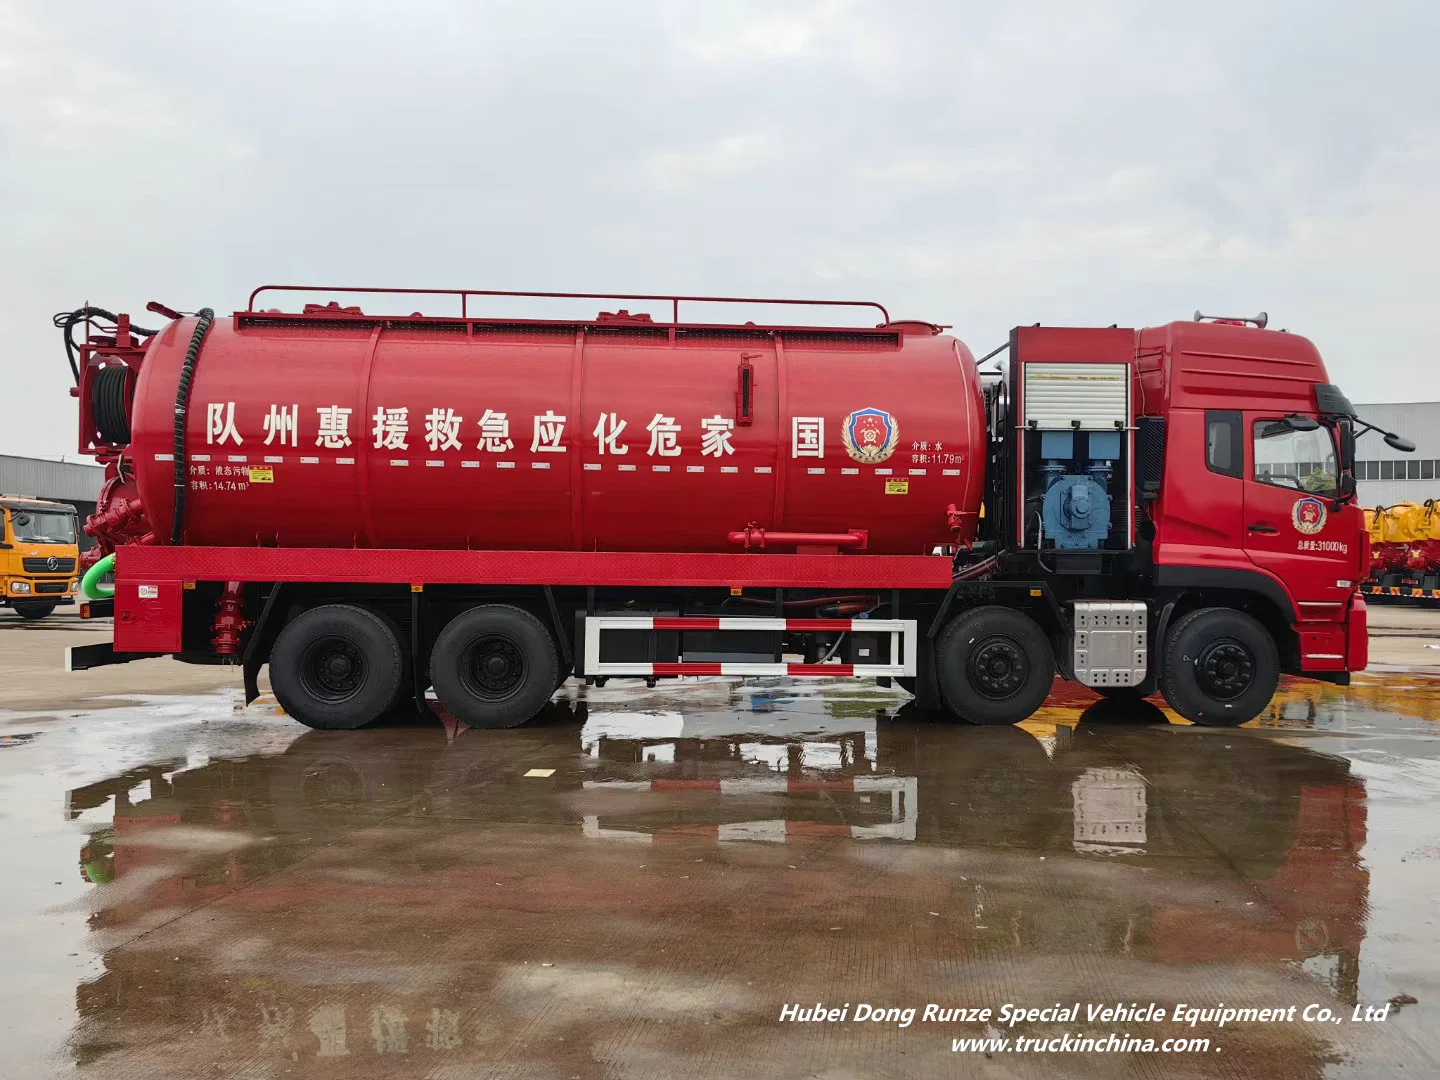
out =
column 20, row 502
column 1207, row 365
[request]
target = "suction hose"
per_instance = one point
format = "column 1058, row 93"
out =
column 90, row 583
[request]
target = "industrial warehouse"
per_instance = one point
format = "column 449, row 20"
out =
column 777, row 541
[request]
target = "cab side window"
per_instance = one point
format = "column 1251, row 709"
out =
column 1299, row 460
column 1224, row 453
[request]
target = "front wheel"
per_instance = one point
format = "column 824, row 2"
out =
column 33, row 609
column 1221, row 667
column 337, row 667
column 994, row 666
column 494, row 666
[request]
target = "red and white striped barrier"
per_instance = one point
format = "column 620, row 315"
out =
column 902, row 645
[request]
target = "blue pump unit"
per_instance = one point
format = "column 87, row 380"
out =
column 1076, row 508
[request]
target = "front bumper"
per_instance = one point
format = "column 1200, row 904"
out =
column 41, row 590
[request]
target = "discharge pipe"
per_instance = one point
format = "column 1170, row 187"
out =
column 757, row 538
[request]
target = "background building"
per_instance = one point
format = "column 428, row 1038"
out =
column 63, row 481
column 1383, row 476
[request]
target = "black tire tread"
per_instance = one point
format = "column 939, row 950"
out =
column 1190, row 702
column 542, row 659
column 373, row 703
column 955, row 690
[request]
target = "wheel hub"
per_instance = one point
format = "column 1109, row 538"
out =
column 333, row 669
column 496, row 666
column 1225, row 669
column 998, row 667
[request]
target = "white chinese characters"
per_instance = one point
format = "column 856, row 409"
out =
column 664, row 436
column 607, row 431
column 392, row 428
column 220, row 424
column 442, row 429
column 715, row 437
column 495, row 433
column 549, row 430
column 807, row 436
column 334, row 432
column 282, row 422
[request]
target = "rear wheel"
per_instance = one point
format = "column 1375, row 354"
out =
column 337, row 667
column 1221, row 667
column 994, row 666
column 34, row 609
column 494, row 666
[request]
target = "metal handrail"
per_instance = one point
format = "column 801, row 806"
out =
column 465, row 294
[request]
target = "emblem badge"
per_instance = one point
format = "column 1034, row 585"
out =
column 870, row 435
column 1308, row 516
column 52, row 563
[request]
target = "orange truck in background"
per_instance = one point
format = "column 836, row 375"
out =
column 39, row 555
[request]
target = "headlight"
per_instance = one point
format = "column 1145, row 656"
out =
column 74, row 585
column 20, row 586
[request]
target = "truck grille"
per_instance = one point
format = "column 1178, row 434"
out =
column 50, row 586
column 52, row 565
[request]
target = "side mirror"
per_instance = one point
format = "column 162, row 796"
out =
column 1399, row 442
column 1347, row 446
column 22, row 519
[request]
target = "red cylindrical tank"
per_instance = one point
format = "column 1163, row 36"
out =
column 342, row 430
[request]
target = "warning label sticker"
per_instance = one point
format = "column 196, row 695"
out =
column 897, row 487
column 261, row 476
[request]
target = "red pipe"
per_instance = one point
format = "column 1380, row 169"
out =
column 753, row 537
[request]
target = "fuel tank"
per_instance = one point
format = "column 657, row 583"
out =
column 334, row 428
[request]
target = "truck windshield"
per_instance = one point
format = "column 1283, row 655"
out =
column 34, row 527
column 1303, row 460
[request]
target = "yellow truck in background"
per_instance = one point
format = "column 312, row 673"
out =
column 39, row 555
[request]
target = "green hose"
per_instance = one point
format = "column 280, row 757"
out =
column 90, row 583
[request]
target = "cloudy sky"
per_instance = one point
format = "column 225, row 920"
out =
column 977, row 164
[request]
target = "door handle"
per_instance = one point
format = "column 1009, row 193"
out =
column 1261, row 527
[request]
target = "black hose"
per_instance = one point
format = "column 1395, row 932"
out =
column 65, row 322
column 182, row 408
column 107, row 404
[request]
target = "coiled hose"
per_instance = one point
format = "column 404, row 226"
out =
column 107, row 404
column 66, row 321
column 182, row 408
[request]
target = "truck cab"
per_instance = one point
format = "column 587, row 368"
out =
column 1256, row 506
column 39, row 555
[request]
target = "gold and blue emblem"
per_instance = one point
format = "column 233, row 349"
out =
column 870, row 435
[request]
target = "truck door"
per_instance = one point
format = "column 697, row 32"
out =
column 1292, row 527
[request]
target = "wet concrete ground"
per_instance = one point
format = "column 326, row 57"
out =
column 639, row 884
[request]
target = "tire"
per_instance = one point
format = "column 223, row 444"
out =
column 33, row 609
column 520, row 667
column 337, row 667
column 994, row 666
column 1220, row 669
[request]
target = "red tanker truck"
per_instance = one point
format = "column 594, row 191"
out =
column 377, row 504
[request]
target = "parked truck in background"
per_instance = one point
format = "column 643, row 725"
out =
column 374, row 504
column 38, row 555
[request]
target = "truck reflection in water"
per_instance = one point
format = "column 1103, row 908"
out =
column 686, row 869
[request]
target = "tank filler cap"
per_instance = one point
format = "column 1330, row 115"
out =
column 332, row 308
column 915, row 326
column 623, row 316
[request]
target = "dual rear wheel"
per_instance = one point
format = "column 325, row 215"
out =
column 342, row 666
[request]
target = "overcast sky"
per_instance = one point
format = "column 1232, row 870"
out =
column 977, row 164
